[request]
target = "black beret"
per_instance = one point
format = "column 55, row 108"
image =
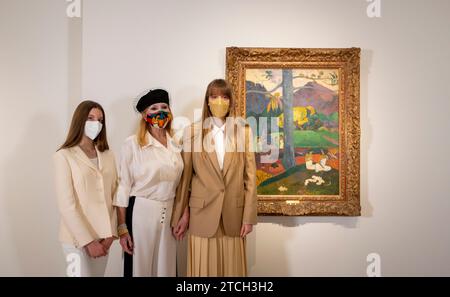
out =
column 152, row 97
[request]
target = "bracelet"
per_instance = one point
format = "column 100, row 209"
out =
column 122, row 229
column 121, row 232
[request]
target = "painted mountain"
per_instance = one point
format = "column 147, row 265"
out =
column 256, row 103
column 323, row 100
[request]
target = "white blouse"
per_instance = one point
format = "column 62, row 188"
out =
column 219, row 143
column 151, row 172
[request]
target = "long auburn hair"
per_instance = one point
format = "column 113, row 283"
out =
column 218, row 86
column 76, row 130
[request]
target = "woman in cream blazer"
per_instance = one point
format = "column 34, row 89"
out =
column 86, row 180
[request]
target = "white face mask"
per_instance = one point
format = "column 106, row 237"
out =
column 92, row 129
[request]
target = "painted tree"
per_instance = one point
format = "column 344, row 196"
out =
column 288, row 124
column 286, row 104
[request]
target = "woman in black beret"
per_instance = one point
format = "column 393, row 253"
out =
column 149, row 172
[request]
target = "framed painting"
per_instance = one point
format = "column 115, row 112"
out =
column 303, row 108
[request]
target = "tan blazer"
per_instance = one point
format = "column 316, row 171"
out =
column 85, row 195
column 229, row 193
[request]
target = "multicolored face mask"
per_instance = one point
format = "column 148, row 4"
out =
column 159, row 119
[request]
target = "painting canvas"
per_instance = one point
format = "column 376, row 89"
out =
column 308, row 156
column 303, row 107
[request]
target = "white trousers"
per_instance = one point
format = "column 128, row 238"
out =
column 154, row 245
column 79, row 263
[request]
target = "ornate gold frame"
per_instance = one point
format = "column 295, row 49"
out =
column 347, row 60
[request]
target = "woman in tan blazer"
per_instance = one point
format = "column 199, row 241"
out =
column 86, row 180
column 217, row 192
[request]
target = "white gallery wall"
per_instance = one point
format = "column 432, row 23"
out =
column 120, row 48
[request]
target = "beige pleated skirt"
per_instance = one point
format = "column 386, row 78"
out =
column 219, row 255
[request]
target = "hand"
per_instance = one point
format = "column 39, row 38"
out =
column 180, row 229
column 246, row 229
column 127, row 243
column 107, row 242
column 95, row 249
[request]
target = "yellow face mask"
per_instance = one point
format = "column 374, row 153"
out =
column 219, row 107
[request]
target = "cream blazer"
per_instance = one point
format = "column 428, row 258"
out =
column 85, row 194
column 213, row 194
